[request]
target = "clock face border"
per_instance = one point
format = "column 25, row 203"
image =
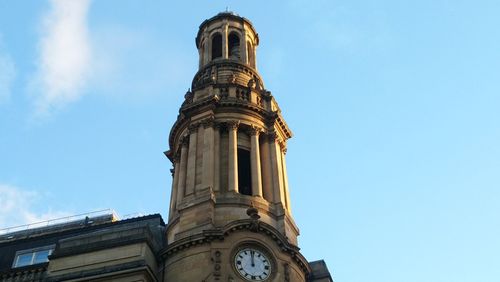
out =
column 258, row 247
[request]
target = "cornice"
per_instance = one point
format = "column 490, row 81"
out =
column 246, row 225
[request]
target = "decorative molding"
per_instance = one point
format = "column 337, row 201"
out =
column 184, row 140
column 233, row 124
column 217, row 264
column 255, row 130
column 240, row 225
column 251, row 83
column 208, row 122
column 193, row 127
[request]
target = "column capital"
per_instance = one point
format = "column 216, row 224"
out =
column 233, row 124
column 273, row 136
column 208, row 122
column 219, row 125
column 255, row 130
column 184, row 140
column 176, row 158
column 193, row 127
column 283, row 148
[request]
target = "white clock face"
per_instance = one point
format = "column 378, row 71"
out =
column 252, row 264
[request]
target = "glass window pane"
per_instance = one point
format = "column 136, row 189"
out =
column 24, row 259
column 41, row 256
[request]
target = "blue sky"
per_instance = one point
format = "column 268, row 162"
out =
column 395, row 160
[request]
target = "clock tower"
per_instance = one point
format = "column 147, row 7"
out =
column 230, row 216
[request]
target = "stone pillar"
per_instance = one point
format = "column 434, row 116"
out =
column 255, row 162
column 225, row 52
column 276, row 167
column 285, row 181
column 217, row 157
column 206, row 51
column 243, row 47
column 181, row 183
column 175, row 181
column 233, row 156
column 254, row 56
column 208, row 154
column 267, row 178
column 191, row 162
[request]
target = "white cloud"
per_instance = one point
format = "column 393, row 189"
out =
column 65, row 55
column 7, row 74
column 17, row 207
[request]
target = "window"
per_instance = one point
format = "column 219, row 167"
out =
column 33, row 256
column 244, row 173
column 234, row 46
column 216, row 46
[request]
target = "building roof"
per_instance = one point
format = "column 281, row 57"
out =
column 11, row 243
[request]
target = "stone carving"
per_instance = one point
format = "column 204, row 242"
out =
column 233, row 124
column 208, row 122
column 258, row 84
column 259, row 101
column 193, row 127
column 185, row 140
column 217, row 265
column 188, row 97
column 213, row 75
column 251, row 83
column 232, row 78
column 254, row 130
column 253, row 213
column 242, row 94
column 224, row 92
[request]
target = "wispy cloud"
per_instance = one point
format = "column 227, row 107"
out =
column 7, row 73
column 65, row 56
column 17, row 207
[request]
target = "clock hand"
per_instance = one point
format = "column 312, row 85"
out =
column 252, row 255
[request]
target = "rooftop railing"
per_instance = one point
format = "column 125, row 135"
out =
column 62, row 221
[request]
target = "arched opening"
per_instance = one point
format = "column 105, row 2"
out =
column 251, row 59
column 244, row 172
column 234, row 46
column 217, row 46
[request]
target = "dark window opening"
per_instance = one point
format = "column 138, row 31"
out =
column 234, row 46
column 244, row 173
column 216, row 46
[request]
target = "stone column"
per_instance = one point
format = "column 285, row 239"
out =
column 208, row 154
column 181, row 183
column 206, row 51
column 276, row 167
column 173, row 194
column 265, row 161
column 243, row 46
column 233, row 156
column 285, row 180
column 191, row 162
column 255, row 162
column 224, row 41
column 217, row 157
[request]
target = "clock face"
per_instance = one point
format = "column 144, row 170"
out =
column 252, row 264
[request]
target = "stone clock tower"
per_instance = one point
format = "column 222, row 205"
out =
column 230, row 215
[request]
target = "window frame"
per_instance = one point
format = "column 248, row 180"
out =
column 33, row 252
